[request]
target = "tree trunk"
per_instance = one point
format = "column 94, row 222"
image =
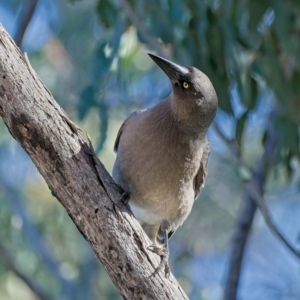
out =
column 65, row 161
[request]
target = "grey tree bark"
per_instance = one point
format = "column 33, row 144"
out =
column 65, row 160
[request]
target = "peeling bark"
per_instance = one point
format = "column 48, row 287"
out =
column 65, row 160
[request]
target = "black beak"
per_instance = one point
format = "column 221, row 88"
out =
column 173, row 71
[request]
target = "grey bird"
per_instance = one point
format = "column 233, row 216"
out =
column 162, row 154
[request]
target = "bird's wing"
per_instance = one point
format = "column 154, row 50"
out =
column 116, row 145
column 199, row 179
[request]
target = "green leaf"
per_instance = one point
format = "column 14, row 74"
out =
column 293, row 106
column 256, row 10
column 253, row 93
column 239, row 130
column 245, row 173
column 215, row 43
column 224, row 97
column 107, row 12
column 103, row 114
column 86, row 102
column 264, row 138
column 283, row 25
column 106, row 52
column 101, row 63
column 290, row 135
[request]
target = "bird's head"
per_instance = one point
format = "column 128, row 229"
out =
column 193, row 92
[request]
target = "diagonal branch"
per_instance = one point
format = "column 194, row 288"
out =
column 261, row 204
column 254, row 198
column 64, row 159
column 255, row 191
column 240, row 238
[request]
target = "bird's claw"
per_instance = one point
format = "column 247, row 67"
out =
column 125, row 198
column 164, row 255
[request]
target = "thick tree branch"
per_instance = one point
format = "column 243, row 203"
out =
column 63, row 158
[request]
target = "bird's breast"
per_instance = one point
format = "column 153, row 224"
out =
column 160, row 180
column 157, row 165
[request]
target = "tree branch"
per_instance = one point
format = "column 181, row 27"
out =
column 261, row 204
column 26, row 15
column 254, row 198
column 254, row 188
column 63, row 158
column 239, row 241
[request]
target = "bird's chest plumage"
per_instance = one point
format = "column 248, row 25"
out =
column 160, row 176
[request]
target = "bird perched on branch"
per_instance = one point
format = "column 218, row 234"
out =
column 162, row 154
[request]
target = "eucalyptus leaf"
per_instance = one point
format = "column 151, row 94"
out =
column 103, row 114
column 240, row 126
column 107, row 13
column 86, row 101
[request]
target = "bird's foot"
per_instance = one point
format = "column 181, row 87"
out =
column 163, row 252
column 125, row 197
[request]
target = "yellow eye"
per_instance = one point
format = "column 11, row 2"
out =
column 185, row 85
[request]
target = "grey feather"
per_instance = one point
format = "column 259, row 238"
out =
column 199, row 180
column 116, row 145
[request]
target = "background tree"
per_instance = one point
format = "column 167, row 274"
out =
column 96, row 66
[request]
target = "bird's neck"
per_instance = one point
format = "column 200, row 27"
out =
column 190, row 119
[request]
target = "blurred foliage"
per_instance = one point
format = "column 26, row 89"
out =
column 93, row 59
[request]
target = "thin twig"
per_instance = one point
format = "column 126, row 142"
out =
column 261, row 204
column 26, row 15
